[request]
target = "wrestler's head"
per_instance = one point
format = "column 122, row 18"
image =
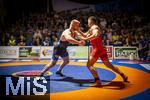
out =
column 91, row 21
column 74, row 24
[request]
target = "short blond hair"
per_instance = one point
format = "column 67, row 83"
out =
column 75, row 21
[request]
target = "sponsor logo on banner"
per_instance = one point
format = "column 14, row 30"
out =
column 125, row 52
column 9, row 52
column 29, row 52
column 46, row 52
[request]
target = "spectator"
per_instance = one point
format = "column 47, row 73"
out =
column 104, row 37
column 103, row 22
column 109, row 36
column 21, row 41
column 135, row 41
column 128, row 40
column 29, row 40
column 37, row 34
column 114, row 37
column 119, row 41
column 37, row 41
column 143, row 48
column 12, row 41
column 55, row 39
column 46, row 42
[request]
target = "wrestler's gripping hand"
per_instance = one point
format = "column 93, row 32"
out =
column 82, row 43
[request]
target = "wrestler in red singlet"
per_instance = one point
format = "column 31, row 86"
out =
column 98, row 50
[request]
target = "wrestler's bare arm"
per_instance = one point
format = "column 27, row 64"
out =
column 82, row 35
column 95, row 33
column 70, row 39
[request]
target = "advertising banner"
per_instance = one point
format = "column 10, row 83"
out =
column 75, row 52
column 125, row 52
column 9, row 52
column 29, row 52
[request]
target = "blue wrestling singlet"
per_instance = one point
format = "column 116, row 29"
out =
column 60, row 50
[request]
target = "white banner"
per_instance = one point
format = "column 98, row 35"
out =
column 125, row 52
column 9, row 52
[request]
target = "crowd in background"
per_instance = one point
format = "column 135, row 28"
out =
column 41, row 29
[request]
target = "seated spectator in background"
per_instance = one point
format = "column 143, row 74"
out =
column 29, row 40
column 49, row 35
column 2, row 40
column 115, row 37
column 37, row 34
column 104, row 41
column 118, row 42
column 109, row 36
column 55, row 39
column 21, row 41
column 46, row 42
column 143, row 48
column 103, row 22
column 59, row 31
column 104, row 37
column 135, row 41
column 37, row 41
column 115, row 25
column 12, row 41
column 45, row 32
column 129, row 39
